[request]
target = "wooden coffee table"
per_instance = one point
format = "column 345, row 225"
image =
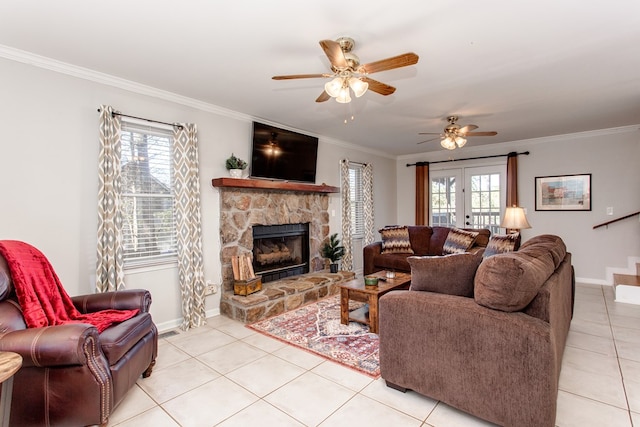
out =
column 356, row 290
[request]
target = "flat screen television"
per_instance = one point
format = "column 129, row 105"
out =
column 282, row 154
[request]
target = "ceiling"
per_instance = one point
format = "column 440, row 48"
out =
column 525, row 69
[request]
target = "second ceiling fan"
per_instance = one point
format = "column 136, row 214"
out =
column 347, row 72
column 455, row 136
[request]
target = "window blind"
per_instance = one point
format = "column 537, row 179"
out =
column 356, row 199
column 147, row 194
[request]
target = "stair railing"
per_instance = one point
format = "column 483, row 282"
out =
column 605, row 224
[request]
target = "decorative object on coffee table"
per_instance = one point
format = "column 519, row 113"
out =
column 357, row 290
column 370, row 281
column 235, row 166
column 316, row 328
column 334, row 251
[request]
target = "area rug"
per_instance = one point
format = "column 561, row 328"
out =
column 316, row 328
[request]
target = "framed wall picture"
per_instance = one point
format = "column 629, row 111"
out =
column 563, row 193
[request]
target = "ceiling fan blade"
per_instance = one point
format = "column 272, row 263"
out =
column 467, row 128
column 390, row 63
column 301, row 76
column 429, row 133
column 428, row 140
column 481, row 133
column 379, row 87
column 324, row 96
column 334, row 53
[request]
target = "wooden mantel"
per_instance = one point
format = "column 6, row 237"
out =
column 266, row 184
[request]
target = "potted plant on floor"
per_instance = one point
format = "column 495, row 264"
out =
column 334, row 251
column 235, row 166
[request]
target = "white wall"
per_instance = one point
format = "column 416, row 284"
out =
column 48, row 162
column 612, row 157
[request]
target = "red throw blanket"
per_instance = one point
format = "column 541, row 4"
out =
column 43, row 300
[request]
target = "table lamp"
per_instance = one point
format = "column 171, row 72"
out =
column 514, row 220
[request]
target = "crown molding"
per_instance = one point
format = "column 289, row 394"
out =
column 511, row 145
column 117, row 82
column 139, row 88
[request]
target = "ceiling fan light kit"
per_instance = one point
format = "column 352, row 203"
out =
column 455, row 136
column 349, row 75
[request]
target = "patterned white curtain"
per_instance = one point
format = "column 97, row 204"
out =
column 109, row 268
column 347, row 259
column 367, row 198
column 188, row 225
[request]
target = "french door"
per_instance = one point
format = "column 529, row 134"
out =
column 472, row 197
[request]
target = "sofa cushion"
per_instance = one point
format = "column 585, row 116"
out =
column 420, row 237
column 395, row 240
column 451, row 274
column 396, row 262
column 458, row 241
column 499, row 244
column 510, row 281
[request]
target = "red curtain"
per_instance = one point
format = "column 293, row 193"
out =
column 422, row 193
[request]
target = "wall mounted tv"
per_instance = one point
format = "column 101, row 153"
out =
column 281, row 154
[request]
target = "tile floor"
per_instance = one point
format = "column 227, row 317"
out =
column 224, row 374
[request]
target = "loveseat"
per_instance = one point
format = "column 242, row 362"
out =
column 495, row 354
column 423, row 240
column 71, row 374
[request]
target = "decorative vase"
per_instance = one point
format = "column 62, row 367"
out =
column 333, row 267
column 235, row 173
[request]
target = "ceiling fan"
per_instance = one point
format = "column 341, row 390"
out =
column 455, row 135
column 347, row 72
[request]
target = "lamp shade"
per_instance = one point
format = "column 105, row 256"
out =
column 333, row 87
column 460, row 141
column 344, row 97
column 514, row 219
column 448, row 143
column 358, row 86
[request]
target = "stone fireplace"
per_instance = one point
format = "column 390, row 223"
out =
column 248, row 205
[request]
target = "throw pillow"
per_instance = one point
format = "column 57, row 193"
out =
column 458, row 241
column 500, row 244
column 395, row 240
column 449, row 274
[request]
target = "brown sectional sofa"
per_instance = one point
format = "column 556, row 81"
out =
column 425, row 240
column 496, row 354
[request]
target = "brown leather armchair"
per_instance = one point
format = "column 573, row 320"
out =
column 71, row 375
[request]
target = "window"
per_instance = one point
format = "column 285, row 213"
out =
column 356, row 199
column 468, row 197
column 147, row 194
column 443, row 201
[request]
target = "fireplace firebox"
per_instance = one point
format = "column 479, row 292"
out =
column 280, row 251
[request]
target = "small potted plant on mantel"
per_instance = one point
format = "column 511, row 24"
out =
column 235, row 166
column 334, row 251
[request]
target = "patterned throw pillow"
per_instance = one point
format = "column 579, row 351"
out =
column 395, row 240
column 459, row 241
column 499, row 244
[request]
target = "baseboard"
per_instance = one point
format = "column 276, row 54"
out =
column 175, row 323
column 590, row 281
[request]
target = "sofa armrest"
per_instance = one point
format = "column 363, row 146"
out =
column 452, row 349
column 368, row 252
column 128, row 299
column 50, row 346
